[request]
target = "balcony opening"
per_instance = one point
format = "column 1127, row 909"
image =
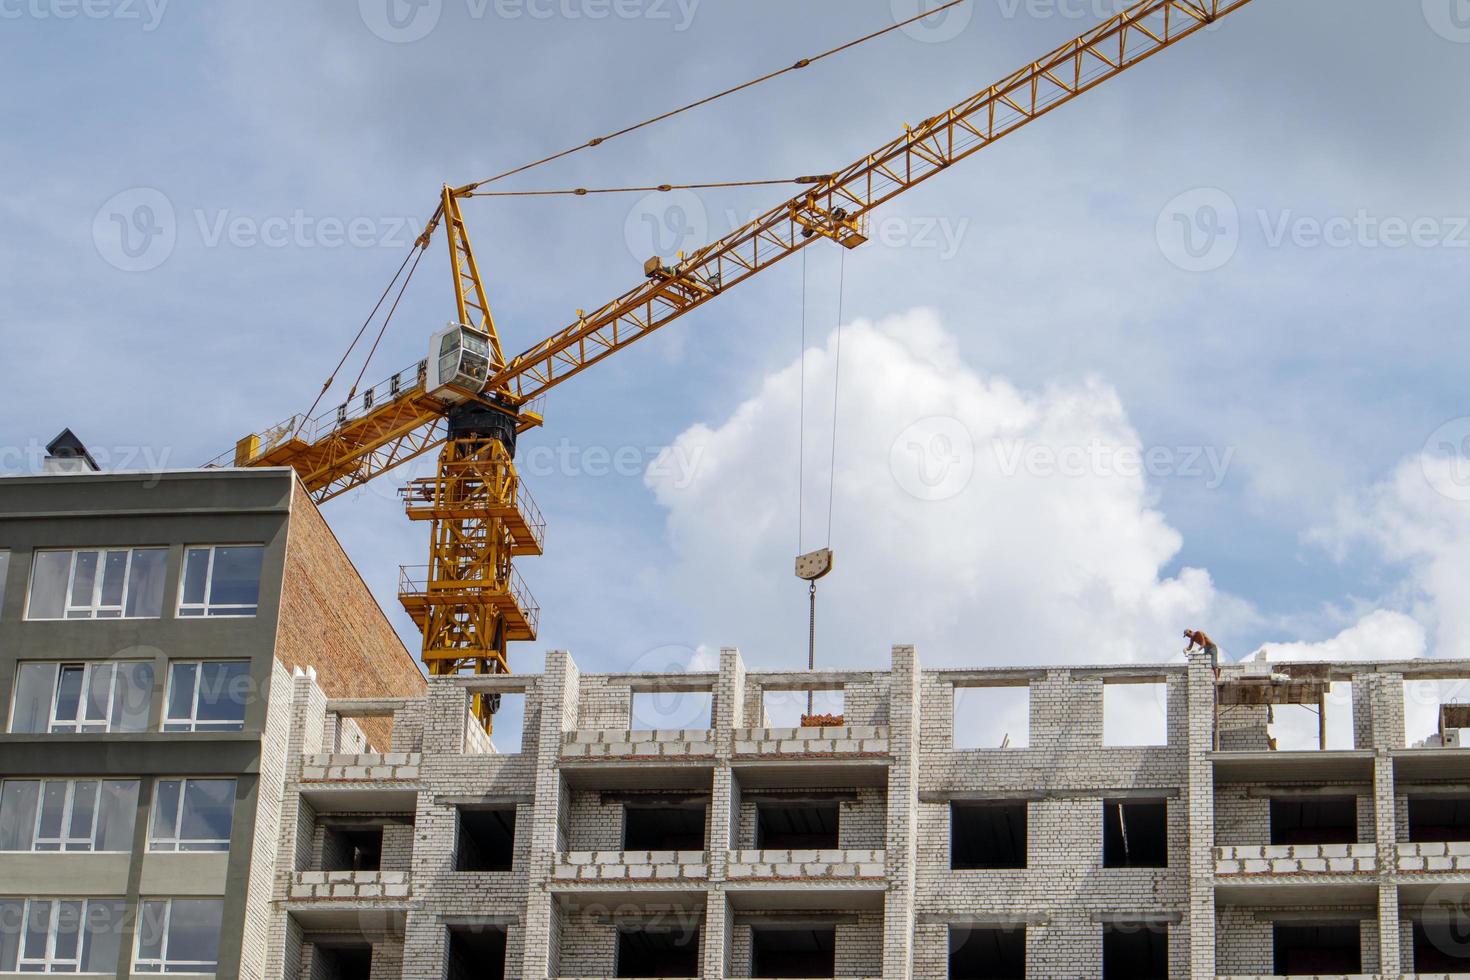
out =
column 487, row 838
column 805, row 826
column 1436, row 713
column 476, row 952
column 987, row 954
column 992, row 717
column 1135, row 714
column 342, row 963
column 508, row 729
column 666, row 951
column 1325, row 820
column 786, row 709
column 663, row 827
column 804, row 951
column 1135, row 834
column 1439, row 818
column 987, row 835
column 1440, row 946
column 1135, row 951
column 352, row 848
column 664, row 710
column 1317, row 949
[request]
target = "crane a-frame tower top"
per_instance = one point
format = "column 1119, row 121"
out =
column 470, row 401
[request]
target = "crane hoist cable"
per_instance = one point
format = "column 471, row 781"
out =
column 389, row 319
column 814, row 565
column 769, row 76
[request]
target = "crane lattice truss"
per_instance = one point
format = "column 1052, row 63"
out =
column 469, row 600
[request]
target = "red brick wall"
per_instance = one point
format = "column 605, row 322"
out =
column 330, row 621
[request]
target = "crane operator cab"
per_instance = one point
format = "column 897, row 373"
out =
column 459, row 363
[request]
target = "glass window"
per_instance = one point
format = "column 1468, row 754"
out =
column 4, row 571
column 178, row 936
column 192, row 815
column 208, row 696
column 108, row 583
column 223, row 580
column 67, row 815
column 60, row 935
column 65, row 699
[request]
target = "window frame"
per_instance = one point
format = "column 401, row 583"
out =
column 178, row 843
column 182, row 608
column 96, row 606
column 162, row 964
column 79, row 725
column 68, row 808
column 192, row 721
column 46, row 965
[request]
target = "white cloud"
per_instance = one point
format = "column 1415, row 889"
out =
column 1381, row 635
column 984, row 523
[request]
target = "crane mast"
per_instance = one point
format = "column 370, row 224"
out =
column 469, row 600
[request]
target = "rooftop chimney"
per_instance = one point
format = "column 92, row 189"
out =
column 66, row 454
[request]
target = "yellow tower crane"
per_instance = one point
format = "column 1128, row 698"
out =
column 469, row 401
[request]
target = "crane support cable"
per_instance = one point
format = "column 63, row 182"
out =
column 769, row 76
column 417, row 249
column 387, row 320
column 836, row 388
column 584, row 191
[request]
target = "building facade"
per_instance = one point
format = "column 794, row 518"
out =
column 666, row 825
column 149, row 628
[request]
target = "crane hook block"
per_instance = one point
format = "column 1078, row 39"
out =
column 814, row 565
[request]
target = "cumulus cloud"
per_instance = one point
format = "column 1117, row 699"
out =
column 982, row 522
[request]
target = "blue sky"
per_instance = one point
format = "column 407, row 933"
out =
column 1247, row 257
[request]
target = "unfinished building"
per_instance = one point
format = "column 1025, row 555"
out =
column 1225, row 844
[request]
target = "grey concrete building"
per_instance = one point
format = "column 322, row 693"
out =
column 149, row 628
column 659, row 825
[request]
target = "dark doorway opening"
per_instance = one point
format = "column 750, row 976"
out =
column 476, row 952
column 1325, row 820
column 987, row 954
column 1312, row 949
column 1439, row 818
column 1135, row 834
column 1135, row 951
column 987, row 835
column 794, row 952
column 658, row 952
column 663, row 827
column 487, row 839
column 805, row 826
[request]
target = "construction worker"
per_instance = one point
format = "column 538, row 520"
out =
column 1200, row 640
